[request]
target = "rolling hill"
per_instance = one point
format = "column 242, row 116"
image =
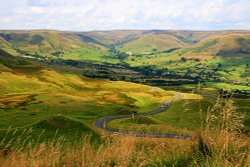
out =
column 47, row 103
column 59, row 43
column 152, row 42
column 51, row 44
column 38, row 97
column 208, row 56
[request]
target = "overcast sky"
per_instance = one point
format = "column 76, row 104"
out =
column 85, row 15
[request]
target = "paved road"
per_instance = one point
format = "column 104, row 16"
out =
column 101, row 123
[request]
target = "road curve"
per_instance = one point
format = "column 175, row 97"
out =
column 101, row 123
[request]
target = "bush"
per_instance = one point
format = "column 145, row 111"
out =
column 183, row 59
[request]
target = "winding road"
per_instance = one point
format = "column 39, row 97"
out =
column 101, row 123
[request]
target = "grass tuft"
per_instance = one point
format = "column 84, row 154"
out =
column 221, row 143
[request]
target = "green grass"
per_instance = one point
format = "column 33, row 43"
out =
column 227, row 86
column 41, row 104
column 91, row 55
column 183, row 116
column 38, row 93
column 201, row 48
column 42, row 98
column 148, row 42
column 210, row 59
column 32, row 98
column 210, row 69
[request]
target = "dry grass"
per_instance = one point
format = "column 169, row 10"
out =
column 222, row 143
column 117, row 151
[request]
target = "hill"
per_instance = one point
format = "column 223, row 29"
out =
column 152, row 42
column 32, row 93
column 51, row 44
column 222, row 45
column 46, row 109
column 60, row 43
column 208, row 56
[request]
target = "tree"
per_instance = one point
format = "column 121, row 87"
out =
column 183, row 59
column 219, row 65
column 154, row 50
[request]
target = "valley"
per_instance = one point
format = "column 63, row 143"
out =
column 189, row 55
column 61, row 86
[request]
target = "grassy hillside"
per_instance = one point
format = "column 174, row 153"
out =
column 46, row 116
column 116, row 37
column 220, row 143
column 222, row 45
column 33, row 96
column 219, row 58
column 183, row 116
column 212, row 57
column 152, row 42
column 52, row 44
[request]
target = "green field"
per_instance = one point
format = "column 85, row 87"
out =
column 39, row 98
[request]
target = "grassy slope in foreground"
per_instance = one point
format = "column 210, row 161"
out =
column 218, row 146
column 33, row 96
column 183, row 116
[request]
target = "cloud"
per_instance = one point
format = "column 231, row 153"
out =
column 86, row 15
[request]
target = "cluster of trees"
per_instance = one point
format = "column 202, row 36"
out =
column 27, row 53
column 58, row 53
column 117, row 53
column 183, row 59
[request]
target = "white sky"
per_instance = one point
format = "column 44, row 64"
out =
column 85, row 15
